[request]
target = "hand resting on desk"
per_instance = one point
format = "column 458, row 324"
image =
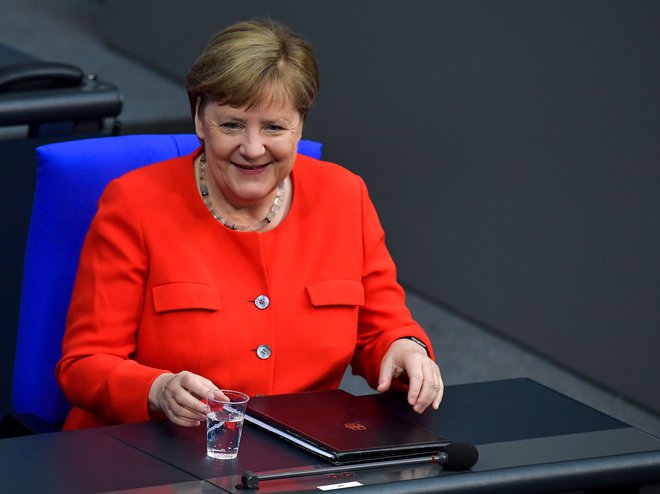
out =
column 425, row 385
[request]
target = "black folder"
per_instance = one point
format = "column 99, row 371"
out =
column 341, row 427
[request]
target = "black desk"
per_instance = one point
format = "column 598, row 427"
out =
column 530, row 439
column 80, row 462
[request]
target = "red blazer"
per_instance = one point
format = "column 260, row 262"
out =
column 162, row 286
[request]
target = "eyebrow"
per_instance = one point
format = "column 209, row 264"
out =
column 277, row 120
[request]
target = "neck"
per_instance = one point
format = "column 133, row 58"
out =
column 244, row 217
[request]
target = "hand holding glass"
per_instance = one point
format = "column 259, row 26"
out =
column 225, row 411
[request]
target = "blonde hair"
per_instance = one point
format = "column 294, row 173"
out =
column 253, row 62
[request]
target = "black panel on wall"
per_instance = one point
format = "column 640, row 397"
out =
column 511, row 147
column 18, row 176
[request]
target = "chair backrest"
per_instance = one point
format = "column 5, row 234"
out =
column 70, row 179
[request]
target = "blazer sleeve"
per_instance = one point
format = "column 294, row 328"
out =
column 96, row 372
column 384, row 317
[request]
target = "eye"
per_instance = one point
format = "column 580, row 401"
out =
column 230, row 126
column 273, row 128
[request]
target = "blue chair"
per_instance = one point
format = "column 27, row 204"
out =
column 70, row 178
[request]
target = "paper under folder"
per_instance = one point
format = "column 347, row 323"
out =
column 341, row 427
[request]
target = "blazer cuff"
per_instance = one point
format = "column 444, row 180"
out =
column 129, row 392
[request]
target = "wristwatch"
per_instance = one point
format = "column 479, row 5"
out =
column 418, row 341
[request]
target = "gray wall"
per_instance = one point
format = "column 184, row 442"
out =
column 512, row 149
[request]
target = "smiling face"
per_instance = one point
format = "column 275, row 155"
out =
column 249, row 151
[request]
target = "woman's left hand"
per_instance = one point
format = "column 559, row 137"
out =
column 425, row 385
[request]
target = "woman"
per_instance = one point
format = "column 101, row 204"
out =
column 242, row 265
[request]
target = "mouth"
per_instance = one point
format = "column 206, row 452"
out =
column 250, row 168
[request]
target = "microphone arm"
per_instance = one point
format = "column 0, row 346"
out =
column 466, row 456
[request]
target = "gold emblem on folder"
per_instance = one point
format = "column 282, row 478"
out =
column 355, row 426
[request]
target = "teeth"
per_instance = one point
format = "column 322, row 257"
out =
column 247, row 167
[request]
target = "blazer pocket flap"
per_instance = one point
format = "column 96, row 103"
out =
column 336, row 292
column 182, row 296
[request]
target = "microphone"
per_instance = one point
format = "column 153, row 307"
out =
column 458, row 456
column 453, row 457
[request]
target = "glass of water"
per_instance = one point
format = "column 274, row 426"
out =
column 225, row 411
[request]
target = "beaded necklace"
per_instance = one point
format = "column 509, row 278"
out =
column 204, row 190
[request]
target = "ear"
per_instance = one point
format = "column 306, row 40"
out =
column 199, row 127
column 300, row 128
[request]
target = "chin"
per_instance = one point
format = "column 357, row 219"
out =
column 253, row 194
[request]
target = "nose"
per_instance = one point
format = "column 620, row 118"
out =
column 252, row 145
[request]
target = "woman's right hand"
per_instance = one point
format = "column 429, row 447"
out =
column 179, row 397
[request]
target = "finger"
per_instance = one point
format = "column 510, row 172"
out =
column 183, row 421
column 184, row 412
column 385, row 376
column 436, row 387
column 180, row 402
column 430, row 386
column 219, row 395
column 440, row 388
column 183, row 404
column 176, row 410
column 438, row 398
column 191, row 391
column 415, row 374
column 197, row 385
